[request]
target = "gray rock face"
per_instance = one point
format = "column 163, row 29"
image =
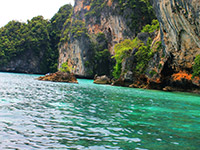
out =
column 27, row 62
column 76, row 53
column 180, row 30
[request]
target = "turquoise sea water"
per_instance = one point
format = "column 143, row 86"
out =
column 47, row 115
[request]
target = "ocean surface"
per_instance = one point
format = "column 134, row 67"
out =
column 39, row 115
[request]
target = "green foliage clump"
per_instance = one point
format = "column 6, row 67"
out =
column 96, row 6
column 117, row 70
column 65, row 68
column 142, row 13
column 122, row 51
column 143, row 55
column 78, row 28
column 196, row 67
column 151, row 28
column 17, row 37
column 11, row 43
column 65, row 31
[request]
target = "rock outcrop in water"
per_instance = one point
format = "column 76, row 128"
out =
column 59, row 77
column 102, row 80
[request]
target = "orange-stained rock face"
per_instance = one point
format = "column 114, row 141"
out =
column 181, row 75
column 94, row 29
column 87, row 7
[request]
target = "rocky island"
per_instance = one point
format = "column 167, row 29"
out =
column 140, row 44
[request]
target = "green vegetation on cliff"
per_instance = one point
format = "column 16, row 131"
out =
column 143, row 51
column 142, row 14
column 196, row 66
column 151, row 28
column 38, row 35
column 73, row 29
column 122, row 51
column 65, row 67
column 57, row 24
column 99, row 59
column 16, row 37
column 96, row 7
column 11, row 42
column 143, row 56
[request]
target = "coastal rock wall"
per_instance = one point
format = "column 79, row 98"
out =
column 171, row 66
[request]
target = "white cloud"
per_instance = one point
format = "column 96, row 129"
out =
column 22, row 10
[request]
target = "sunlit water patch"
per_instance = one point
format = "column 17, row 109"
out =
column 85, row 116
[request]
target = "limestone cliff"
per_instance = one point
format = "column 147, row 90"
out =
column 94, row 29
column 180, row 35
column 171, row 67
column 161, row 59
column 180, row 31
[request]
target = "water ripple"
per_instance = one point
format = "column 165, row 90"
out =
column 48, row 115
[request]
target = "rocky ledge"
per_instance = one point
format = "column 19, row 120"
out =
column 59, row 77
column 102, row 80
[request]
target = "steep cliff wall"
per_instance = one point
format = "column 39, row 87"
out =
column 180, row 35
column 180, row 30
column 94, row 29
column 171, row 67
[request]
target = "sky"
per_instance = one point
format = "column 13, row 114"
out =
column 23, row 10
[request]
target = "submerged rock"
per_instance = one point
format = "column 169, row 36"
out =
column 59, row 77
column 102, row 80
